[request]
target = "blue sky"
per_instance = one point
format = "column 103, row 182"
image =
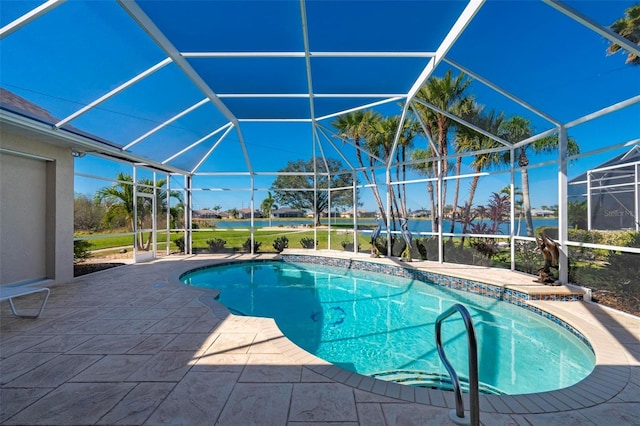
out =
column 81, row 50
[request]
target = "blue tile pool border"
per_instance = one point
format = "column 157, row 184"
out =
column 492, row 291
column 496, row 292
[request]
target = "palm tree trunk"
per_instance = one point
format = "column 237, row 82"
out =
column 404, row 178
column 432, row 196
column 376, row 195
column 455, row 196
column 526, row 203
column 469, row 203
column 434, row 224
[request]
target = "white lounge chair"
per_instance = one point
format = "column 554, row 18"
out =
column 10, row 293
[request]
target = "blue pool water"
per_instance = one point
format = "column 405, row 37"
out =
column 384, row 326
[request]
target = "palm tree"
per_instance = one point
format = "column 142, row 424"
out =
column 629, row 28
column 119, row 198
column 425, row 167
column 357, row 126
column 120, row 201
column 517, row 202
column 469, row 140
column 448, row 94
column 380, row 140
column 267, row 205
column 517, row 129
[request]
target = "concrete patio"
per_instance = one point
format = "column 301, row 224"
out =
column 129, row 345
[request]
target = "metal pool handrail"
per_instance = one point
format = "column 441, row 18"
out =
column 457, row 415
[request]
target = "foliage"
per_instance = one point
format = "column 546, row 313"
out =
column 357, row 127
column 456, row 253
column 304, row 199
column 267, row 205
column 246, row 246
column 308, row 243
column 448, row 93
column 87, row 213
column 527, row 258
column 81, row 251
column 216, row 245
column 431, row 247
column 281, row 243
column 621, row 274
column 180, row 243
column 517, row 129
column 577, row 213
column 628, row 27
column 119, row 202
column 348, row 245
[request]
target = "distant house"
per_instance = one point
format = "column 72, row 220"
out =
column 361, row 213
column 420, row 213
column 287, row 212
column 542, row 213
column 246, row 214
column 206, row 214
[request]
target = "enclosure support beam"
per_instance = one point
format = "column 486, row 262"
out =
column 589, row 214
column 355, row 213
column 563, row 233
column 439, row 214
column 252, row 204
column 512, row 191
column 636, row 183
column 28, row 17
column 168, row 215
column 188, row 235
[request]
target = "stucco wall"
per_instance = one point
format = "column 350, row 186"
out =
column 36, row 235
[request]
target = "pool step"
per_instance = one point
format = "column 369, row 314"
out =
column 431, row 380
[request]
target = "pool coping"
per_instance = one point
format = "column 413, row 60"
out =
column 609, row 377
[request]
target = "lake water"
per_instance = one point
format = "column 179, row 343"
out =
column 415, row 225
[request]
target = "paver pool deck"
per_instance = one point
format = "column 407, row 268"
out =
column 131, row 345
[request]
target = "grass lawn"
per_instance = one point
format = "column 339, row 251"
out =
column 234, row 239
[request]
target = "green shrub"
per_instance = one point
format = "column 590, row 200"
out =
column 397, row 246
column 216, row 245
column 246, row 246
column 528, row 258
column 431, row 247
column 348, row 246
column 281, row 243
column 420, row 248
column 81, row 251
column 308, row 243
column 180, row 243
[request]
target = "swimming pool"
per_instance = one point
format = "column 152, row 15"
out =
column 383, row 326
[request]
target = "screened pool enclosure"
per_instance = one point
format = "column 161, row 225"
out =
column 481, row 123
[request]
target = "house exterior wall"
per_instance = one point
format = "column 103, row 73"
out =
column 36, row 211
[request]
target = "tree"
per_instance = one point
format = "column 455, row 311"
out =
column 499, row 206
column 578, row 214
column 120, row 202
column 267, row 205
column 628, row 27
column 469, row 140
column 517, row 202
column 380, row 139
column 87, row 213
column 297, row 191
column 358, row 126
column 448, row 94
column 517, row 129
